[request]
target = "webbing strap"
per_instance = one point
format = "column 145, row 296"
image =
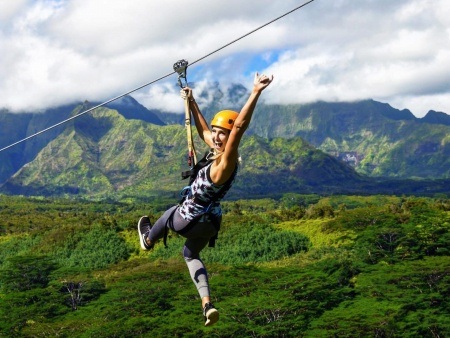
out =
column 189, row 226
column 192, row 157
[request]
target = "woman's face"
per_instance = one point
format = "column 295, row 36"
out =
column 219, row 137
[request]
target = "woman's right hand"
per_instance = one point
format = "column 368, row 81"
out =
column 186, row 93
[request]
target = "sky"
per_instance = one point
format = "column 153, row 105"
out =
column 55, row 52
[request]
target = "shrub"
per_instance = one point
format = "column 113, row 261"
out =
column 23, row 273
column 94, row 249
column 259, row 243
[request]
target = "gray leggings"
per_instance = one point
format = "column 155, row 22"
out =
column 197, row 238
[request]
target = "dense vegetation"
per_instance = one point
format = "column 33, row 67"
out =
column 298, row 266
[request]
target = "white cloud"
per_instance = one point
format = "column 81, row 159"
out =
column 9, row 9
column 404, row 65
column 164, row 97
column 55, row 51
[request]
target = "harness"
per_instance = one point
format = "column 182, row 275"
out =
column 186, row 192
column 192, row 173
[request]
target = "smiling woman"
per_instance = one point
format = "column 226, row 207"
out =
column 198, row 216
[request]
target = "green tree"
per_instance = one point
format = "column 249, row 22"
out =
column 22, row 273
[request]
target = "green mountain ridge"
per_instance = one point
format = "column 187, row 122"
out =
column 15, row 127
column 104, row 154
column 363, row 147
column 375, row 138
column 96, row 154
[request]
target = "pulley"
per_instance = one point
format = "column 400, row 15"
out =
column 181, row 68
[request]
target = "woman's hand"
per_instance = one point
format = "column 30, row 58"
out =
column 186, row 93
column 261, row 82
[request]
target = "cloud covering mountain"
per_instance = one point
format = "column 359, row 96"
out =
column 59, row 51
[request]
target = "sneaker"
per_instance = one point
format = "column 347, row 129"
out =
column 144, row 227
column 211, row 314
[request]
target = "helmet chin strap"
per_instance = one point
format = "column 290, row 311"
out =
column 215, row 154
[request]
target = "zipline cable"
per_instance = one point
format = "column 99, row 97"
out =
column 253, row 31
column 154, row 81
column 84, row 112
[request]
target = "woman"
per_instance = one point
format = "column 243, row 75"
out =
column 198, row 216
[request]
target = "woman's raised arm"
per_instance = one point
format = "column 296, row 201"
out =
column 242, row 122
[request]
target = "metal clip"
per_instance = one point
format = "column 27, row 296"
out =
column 181, row 68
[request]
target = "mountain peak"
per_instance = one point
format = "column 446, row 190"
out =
column 131, row 109
column 436, row 117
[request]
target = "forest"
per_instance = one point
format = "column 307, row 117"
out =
column 295, row 266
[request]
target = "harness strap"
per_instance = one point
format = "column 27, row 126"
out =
column 192, row 157
column 169, row 224
column 187, row 192
column 192, row 173
column 186, row 174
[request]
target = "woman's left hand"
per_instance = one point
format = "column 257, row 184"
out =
column 261, row 81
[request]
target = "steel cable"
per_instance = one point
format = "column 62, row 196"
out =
column 154, row 81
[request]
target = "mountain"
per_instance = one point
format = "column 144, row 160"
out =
column 97, row 153
column 436, row 118
column 132, row 109
column 104, row 155
column 15, row 127
column 125, row 150
column 373, row 137
column 376, row 139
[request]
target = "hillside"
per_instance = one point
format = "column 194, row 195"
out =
column 299, row 266
column 98, row 154
column 373, row 137
column 15, row 126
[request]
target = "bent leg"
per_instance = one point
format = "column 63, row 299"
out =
column 159, row 228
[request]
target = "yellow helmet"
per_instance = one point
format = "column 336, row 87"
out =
column 225, row 119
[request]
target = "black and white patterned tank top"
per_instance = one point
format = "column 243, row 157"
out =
column 205, row 196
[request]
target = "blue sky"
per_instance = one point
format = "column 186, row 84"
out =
column 58, row 52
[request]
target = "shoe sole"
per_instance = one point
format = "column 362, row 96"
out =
column 212, row 317
column 141, row 238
